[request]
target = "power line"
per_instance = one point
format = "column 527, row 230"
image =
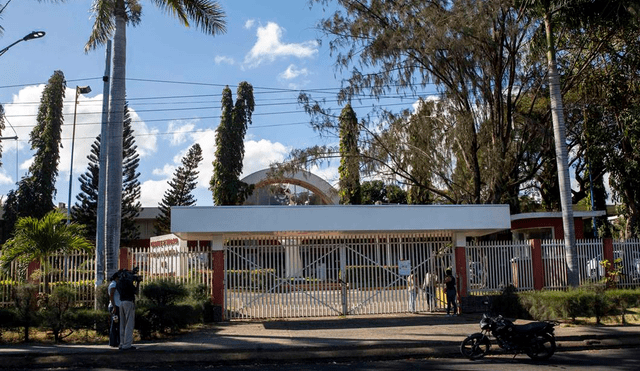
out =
column 191, row 118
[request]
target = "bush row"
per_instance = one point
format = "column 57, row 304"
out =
column 589, row 301
column 162, row 307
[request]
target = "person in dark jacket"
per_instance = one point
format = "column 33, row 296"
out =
column 450, row 282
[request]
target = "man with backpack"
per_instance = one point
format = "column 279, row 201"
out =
column 128, row 288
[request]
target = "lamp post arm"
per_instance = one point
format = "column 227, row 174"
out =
column 7, row 48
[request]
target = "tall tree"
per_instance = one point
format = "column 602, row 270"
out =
column 111, row 20
column 2, row 127
column 36, row 190
column 375, row 191
column 473, row 51
column 580, row 15
column 184, row 181
column 85, row 209
column 225, row 183
column 37, row 238
column 349, row 169
column 131, row 205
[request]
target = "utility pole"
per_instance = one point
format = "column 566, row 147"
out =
column 102, row 177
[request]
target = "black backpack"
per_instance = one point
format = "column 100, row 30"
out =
column 126, row 287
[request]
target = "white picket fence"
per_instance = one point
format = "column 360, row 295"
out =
column 492, row 266
column 75, row 269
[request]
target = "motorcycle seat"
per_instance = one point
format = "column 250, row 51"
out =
column 530, row 327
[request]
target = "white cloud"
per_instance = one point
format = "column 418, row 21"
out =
column 166, row 171
column 258, row 155
column 249, row 24
column 180, row 129
column 5, row 179
column 22, row 113
column 328, row 173
column 292, row 72
column 269, row 46
column 219, row 59
column 152, row 191
column 27, row 164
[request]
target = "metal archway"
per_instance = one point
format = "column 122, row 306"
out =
column 310, row 181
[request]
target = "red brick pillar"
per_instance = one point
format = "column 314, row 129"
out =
column 461, row 265
column 537, row 266
column 607, row 253
column 31, row 268
column 217, row 279
column 123, row 258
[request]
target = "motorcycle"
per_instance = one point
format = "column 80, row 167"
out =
column 536, row 339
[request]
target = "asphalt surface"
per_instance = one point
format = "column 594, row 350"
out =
column 305, row 340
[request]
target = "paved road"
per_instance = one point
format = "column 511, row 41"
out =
column 345, row 340
column 593, row 360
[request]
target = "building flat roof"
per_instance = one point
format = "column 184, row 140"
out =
column 201, row 223
column 558, row 214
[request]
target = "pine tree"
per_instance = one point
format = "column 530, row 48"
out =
column 36, row 190
column 85, row 210
column 179, row 194
column 350, row 192
column 225, row 184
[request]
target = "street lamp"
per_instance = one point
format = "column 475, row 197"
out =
column 79, row 90
column 31, row 36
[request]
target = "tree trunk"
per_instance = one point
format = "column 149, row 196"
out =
column 114, row 142
column 557, row 113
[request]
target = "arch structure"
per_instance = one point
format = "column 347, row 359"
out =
column 310, row 181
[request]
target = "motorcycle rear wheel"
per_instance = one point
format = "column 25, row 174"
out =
column 475, row 346
column 544, row 345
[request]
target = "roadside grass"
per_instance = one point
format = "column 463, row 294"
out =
column 76, row 337
column 41, row 336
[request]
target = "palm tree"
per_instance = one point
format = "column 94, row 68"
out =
column 111, row 19
column 36, row 239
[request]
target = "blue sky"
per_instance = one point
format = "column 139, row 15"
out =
column 175, row 78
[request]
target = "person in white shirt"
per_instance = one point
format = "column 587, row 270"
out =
column 114, row 311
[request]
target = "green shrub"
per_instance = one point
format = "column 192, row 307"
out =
column 200, row 300
column 164, row 292
column 55, row 310
column 508, row 304
column 161, row 310
column 26, row 297
column 102, row 296
column 89, row 319
column 621, row 300
column 8, row 319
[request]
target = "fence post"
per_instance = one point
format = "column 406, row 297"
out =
column 536, row 264
column 217, row 278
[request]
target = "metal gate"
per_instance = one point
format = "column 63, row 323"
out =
column 284, row 276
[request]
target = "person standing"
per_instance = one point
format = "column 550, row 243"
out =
column 413, row 292
column 450, row 282
column 128, row 290
column 429, row 286
column 114, row 311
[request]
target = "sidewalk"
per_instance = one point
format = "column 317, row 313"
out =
column 375, row 337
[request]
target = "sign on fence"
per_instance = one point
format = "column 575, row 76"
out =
column 166, row 255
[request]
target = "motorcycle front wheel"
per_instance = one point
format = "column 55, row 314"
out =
column 543, row 347
column 475, row 346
